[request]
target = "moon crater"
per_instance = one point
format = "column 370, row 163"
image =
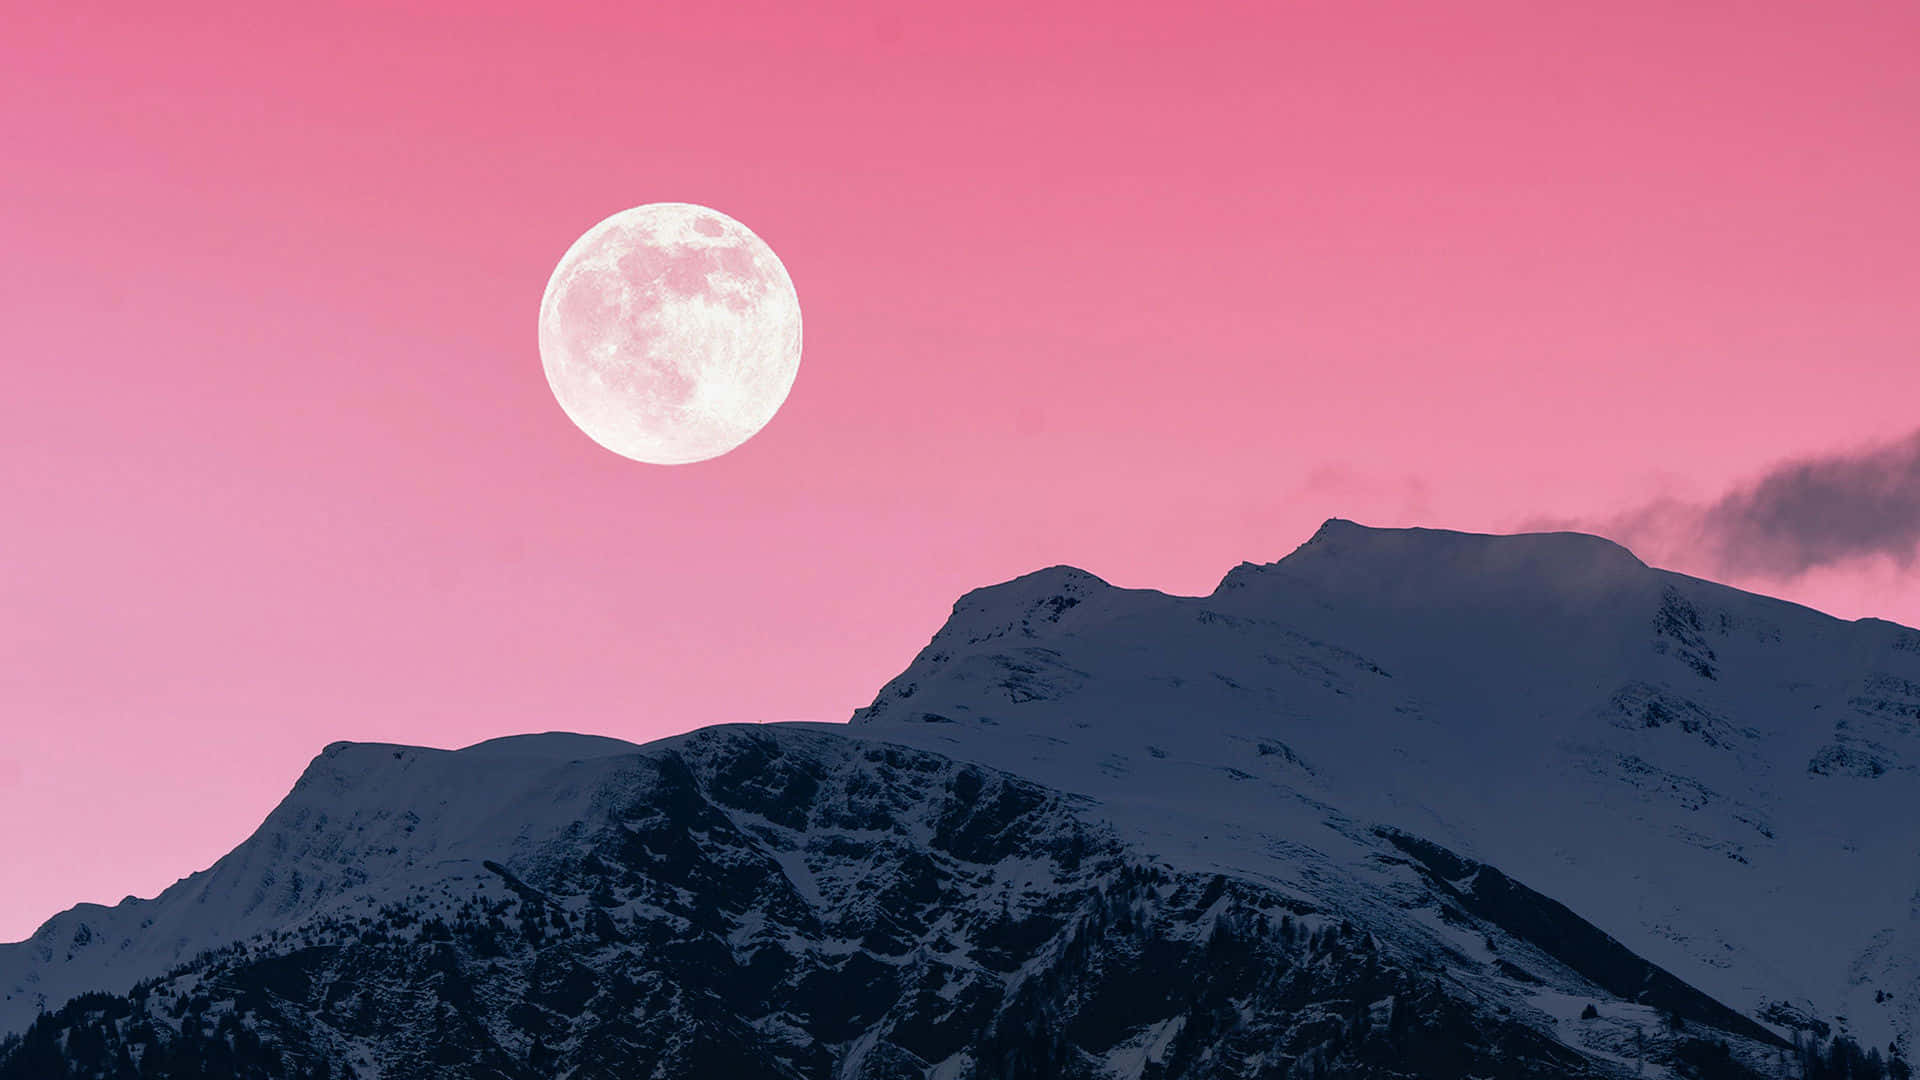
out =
column 670, row 333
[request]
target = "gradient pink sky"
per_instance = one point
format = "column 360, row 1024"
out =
column 1145, row 292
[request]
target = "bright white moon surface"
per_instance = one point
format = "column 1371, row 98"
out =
column 670, row 333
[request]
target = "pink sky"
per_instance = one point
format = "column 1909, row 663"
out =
column 1149, row 293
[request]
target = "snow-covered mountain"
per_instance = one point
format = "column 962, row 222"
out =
column 1724, row 781
column 1405, row 802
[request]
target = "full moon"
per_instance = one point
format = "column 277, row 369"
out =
column 670, row 333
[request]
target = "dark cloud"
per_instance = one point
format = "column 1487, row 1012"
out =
column 1812, row 512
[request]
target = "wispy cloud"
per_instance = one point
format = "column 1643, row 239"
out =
column 1801, row 515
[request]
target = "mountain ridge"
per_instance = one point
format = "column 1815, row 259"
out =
column 1683, row 707
column 1643, row 749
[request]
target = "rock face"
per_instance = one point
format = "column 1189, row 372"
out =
column 1405, row 803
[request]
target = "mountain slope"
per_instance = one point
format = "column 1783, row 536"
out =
column 1403, row 802
column 362, row 824
column 784, row 903
column 1721, row 779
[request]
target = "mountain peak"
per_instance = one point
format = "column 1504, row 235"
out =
column 1551, row 551
column 1343, row 552
column 1043, row 596
column 550, row 745
column 546, row 745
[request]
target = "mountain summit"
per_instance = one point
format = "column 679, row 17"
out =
column 1405, row 802
column 1714, row 776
